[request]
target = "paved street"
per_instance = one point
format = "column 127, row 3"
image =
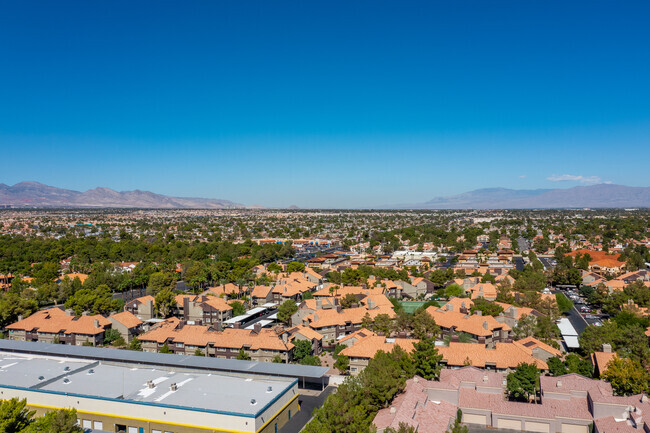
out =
column 307, row 405
column 578, row 322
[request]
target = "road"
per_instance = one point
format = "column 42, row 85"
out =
column 576, row 319
column 307, row 405
column 548, row 262
column 523, row 244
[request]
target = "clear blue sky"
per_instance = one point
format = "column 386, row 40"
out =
column 324, row 104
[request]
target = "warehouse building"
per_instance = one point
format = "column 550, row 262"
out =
column 133, row 396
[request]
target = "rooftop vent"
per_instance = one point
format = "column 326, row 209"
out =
column 269, row 389
column 91, row 371
column 173, row 387
column 66, row 369
column 66, row 380
column 559, row 384
column 41, row 377
column 485, row 378
column 393, row 409
column 150, row 384
column 253, row 402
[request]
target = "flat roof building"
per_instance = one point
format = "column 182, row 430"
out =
column 139, row 397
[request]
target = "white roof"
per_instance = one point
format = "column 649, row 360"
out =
column 571, row 342
column 263, row 324
column 566, row 328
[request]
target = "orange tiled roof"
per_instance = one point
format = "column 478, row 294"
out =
column 504, row 355
column 127, row 319
column 531, row 343
column 483, row 326
column 369, row 346
column 55, row 321
column 306, row 332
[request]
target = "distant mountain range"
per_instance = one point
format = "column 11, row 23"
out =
column 34, row 194
column 594, row 196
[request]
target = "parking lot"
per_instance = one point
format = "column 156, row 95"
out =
column 584, row 310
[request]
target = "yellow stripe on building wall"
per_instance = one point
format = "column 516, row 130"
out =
column 169, row 422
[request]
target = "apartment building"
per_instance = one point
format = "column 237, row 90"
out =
column 143, row 308
column 127, row 324
column 485, row 330
column 62, row 327
column 210, row 310
column 184, row 339
column 568, row 404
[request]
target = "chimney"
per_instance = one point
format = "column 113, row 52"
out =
column 96, row 323
column 485, row 325
column 257, row 328
column 285, row 337
column 485, row 378
column 316, row 317
column 338, row 308
column 69, row 312
column 558, row 384
column 479, row 313
column 371, row 304
column 186, row 308
column 237, row 325
column 319, row 303
column 455, row 338
column 393, row 409
column 607, row 348
column 20, row 317
column 86, row 313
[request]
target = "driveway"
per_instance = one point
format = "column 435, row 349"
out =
column 307, row 405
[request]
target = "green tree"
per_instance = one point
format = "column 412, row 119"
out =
column 277, row 359
column 56, row 421
column 382, row 323
column 295, row 267
column 243, row 356
column 111, row 335
column 311, row 360
column 159, row 281
column 487, row 308
column 523, row 382
column 14, row 416
column 198, row 352
column 556, row 367
column 286, row 310
column 301, row 349
column 274, row 267
column 563, row 303
column 135, row 344
column 426, row 359
column 342, row 363
column 454, row 290
column 423, row 325
column 402, row 428
column 237, row 308
column 165, row 349
column 165, row 302
column 348, row 300
column 627, row 377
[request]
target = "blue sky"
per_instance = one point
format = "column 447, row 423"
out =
column 324, row 104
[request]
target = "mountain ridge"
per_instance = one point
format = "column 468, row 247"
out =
column 32, row 194
column 592, row 196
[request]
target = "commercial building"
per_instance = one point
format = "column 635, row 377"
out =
column 151, row 393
